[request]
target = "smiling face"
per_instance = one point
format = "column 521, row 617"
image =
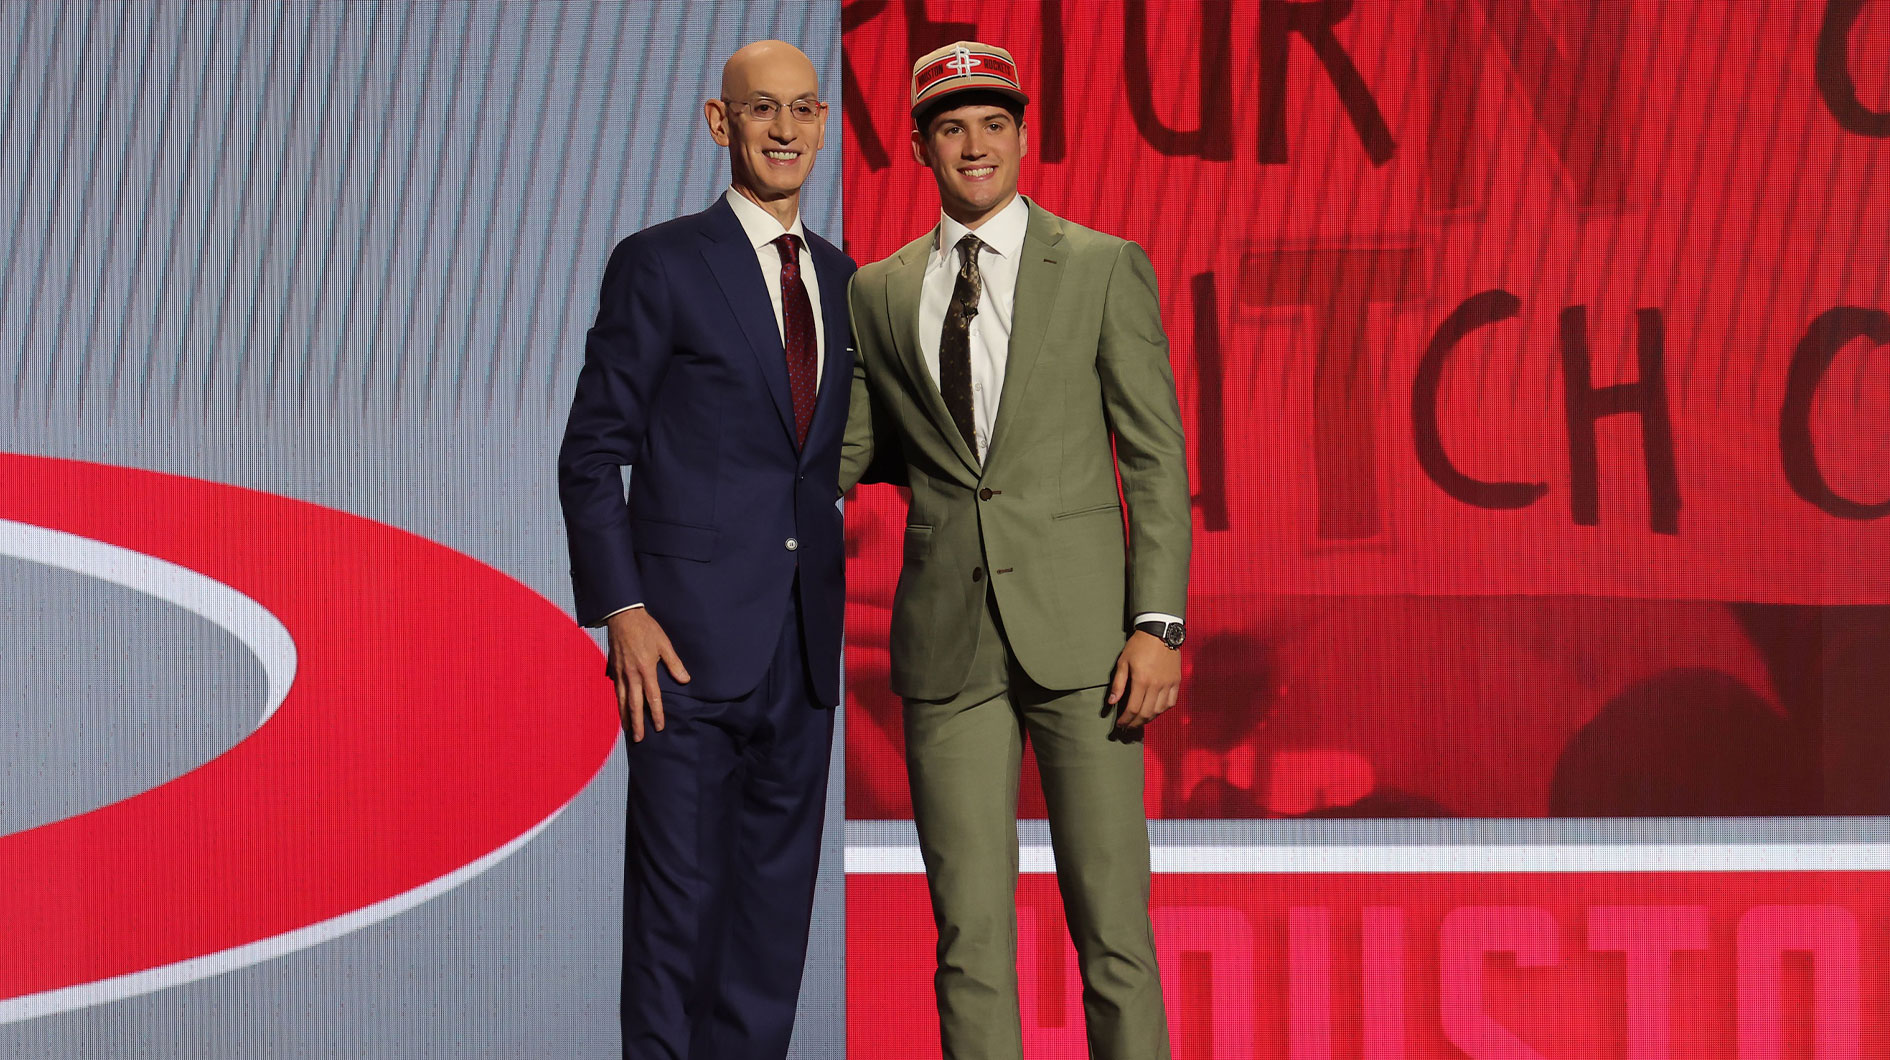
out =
column 769, row 159
column 973, row 152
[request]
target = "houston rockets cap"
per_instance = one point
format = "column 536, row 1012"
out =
column 962, row 67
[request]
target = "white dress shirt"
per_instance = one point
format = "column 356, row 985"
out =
column 1002, row 237
column 762, row 230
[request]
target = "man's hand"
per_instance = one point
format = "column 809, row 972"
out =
column 1150, row 673
column 637, row 644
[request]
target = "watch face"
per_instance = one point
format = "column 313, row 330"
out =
column 1175, row 634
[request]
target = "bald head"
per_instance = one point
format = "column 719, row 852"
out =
column 769, row 64
column 770, row 118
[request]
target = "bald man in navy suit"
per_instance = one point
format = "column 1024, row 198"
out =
column 718, row 371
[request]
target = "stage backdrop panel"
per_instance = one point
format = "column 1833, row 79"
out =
column 1530, row 355
column 304, row 755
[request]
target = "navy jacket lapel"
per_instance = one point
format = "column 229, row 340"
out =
column 726, row 248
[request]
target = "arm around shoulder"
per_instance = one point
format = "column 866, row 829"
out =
column 870, row 451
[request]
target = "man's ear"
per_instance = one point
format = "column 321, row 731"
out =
column 1023, row 139
column 920, row 152
column 715, row 112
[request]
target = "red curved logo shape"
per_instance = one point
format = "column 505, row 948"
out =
column 440, row 714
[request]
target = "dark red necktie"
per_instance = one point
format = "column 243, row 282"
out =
column 797, row 318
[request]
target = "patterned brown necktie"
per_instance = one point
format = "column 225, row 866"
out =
column 954, row 343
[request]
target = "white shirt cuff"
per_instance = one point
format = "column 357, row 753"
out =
column 1152, row 616
column 606, row 619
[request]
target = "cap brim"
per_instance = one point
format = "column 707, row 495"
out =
column 932, row 101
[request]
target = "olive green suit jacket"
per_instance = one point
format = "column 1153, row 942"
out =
column 1087, row 393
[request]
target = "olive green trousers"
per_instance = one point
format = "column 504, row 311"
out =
column 962, row 756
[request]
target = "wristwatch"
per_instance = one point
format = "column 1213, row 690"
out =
column 1169, row 633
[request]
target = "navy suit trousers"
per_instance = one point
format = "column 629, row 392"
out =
column 723, row 844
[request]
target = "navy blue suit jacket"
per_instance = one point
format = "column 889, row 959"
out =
column 685, row 382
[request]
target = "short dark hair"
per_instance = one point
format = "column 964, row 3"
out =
column 971, row 98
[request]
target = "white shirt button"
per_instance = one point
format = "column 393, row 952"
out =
column 792, row 544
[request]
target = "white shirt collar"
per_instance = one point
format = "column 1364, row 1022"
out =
column 1003, row 233
column 759, row 224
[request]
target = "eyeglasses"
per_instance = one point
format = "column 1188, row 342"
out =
column 763, row 109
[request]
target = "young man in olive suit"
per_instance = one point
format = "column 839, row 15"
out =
column 1010, row 365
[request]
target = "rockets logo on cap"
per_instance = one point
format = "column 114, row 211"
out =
column 963, row 66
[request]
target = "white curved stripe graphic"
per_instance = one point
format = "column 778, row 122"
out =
column 33, row 1006
column 245, row 619
column 269, row 641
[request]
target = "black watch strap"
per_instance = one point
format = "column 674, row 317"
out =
column 1169, row 633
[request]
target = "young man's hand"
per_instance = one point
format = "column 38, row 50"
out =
column 1147, row 681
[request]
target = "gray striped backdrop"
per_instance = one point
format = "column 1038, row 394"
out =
column 344, row 252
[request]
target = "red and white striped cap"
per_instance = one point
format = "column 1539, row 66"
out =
column 962, row 67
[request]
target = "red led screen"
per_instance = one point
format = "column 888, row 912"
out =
column 1529, row 357
column 1534, row 357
